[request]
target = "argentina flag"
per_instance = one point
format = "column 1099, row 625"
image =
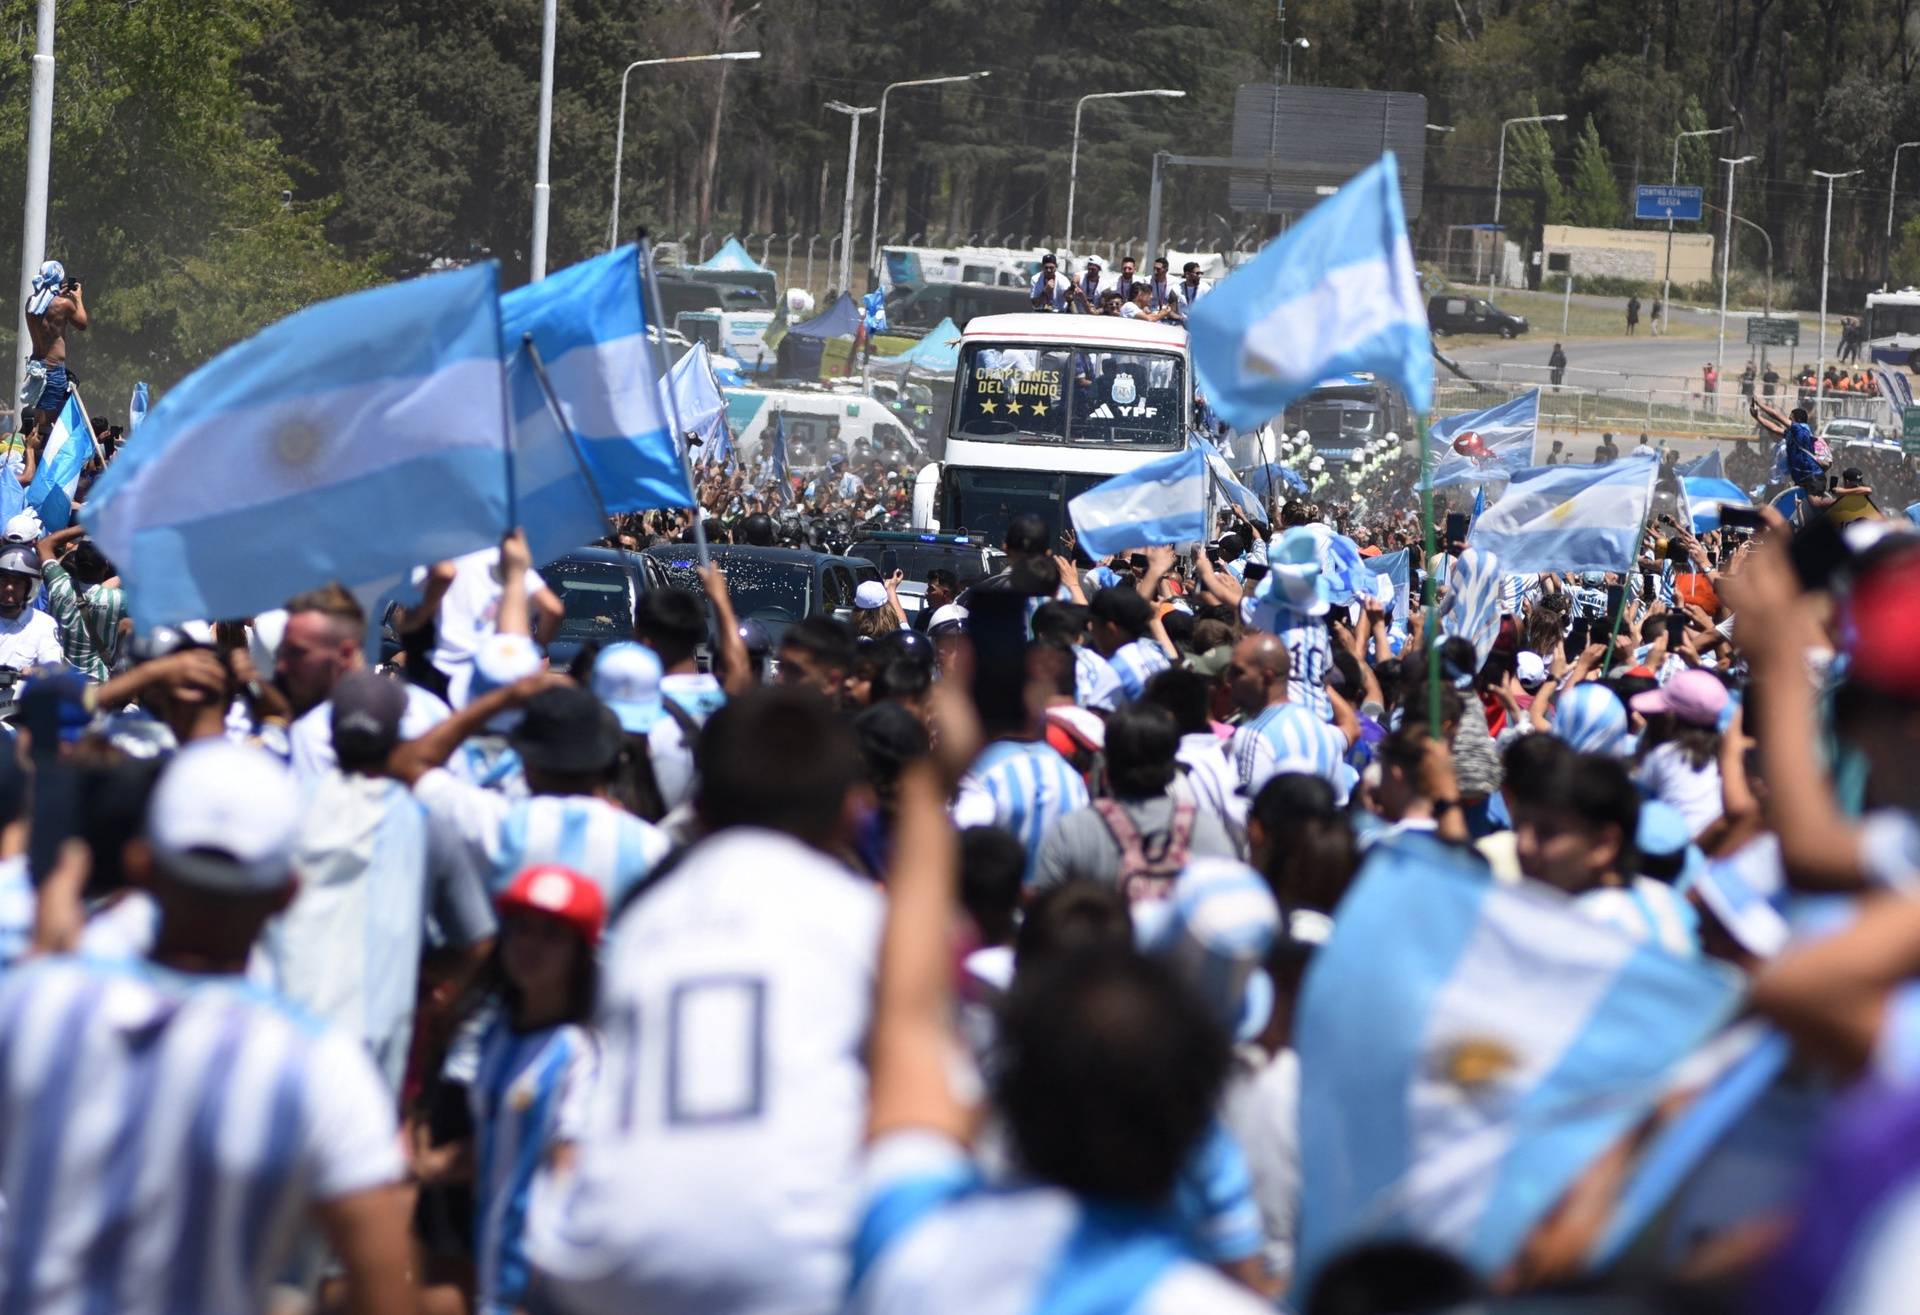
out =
column 1230, row 489
column 1708, row 467
column 1569, row 518
column 56, row 482
column 1162, row 502
column 1467, row 1049
column 1488, row 445
column 591, row 331
column 351, row 441
column 695, row 397
column 1705, row 498
column 1335, row 294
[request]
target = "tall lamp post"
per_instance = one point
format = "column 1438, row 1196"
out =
column 620, row 126
column 1073, row 166
column 1826, row 251
column 880, row 150
column 1893, row 188
column 1726, row 255
column 853, row 113
column 1499, row 179
column 1673, row 180
column 33, row 225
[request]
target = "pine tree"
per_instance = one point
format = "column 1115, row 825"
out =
column 1594, row 194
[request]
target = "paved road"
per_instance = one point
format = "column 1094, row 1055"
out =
column 1600, row 363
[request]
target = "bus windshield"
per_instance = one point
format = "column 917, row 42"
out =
column 1888, row 319
column 1074, row 395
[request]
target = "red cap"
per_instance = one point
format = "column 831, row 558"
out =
column 559, row 893
column 1885, row 626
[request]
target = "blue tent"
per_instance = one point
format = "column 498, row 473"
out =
column 937, row 354
column 805, row 343
column 734, row 259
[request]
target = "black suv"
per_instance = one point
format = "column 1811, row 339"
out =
column 1452, row 313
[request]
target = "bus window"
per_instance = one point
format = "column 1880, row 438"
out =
column 1126, row 399
column 1012, row 393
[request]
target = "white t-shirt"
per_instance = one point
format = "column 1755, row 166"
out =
column 1666, row 775
column 31, row 639
column 467, row 615
column 163, row 1138
column 310, row 738
column 934, row 1240
column 719, row 1169
column 1261, row 1108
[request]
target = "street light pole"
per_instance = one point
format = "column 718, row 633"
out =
column 537, row 261
column 880, row 150
column 1073, row 166
column 1499, row 178
column 1673, row 180
column 1826, row 250
column 1298, row 43
column 620, row 126
column 1893, row 188
column 853, row 112
column 33, row 224
column 1726, row 255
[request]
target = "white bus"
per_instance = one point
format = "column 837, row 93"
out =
column 1047, row 406
column 1892, row 327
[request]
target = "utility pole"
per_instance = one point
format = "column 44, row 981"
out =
column 33, row 227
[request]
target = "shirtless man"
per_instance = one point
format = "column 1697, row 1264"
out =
column 54, row 307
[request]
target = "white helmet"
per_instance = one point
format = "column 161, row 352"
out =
column 19, row 559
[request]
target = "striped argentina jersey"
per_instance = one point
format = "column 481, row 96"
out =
column 1309, row 650
column 163, row 1138
column 529, row 1096
column 1137, row 663
column 1285, row 737
column 935, row 1239
column 1095, row 684
column 499, row 837
column 1022, row 786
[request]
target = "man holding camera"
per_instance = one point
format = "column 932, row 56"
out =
column 54, row 306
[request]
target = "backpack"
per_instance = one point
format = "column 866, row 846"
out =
column 1148, row 864
column 1822, row 452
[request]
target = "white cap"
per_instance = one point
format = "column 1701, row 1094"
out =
column 626, row 677
column 1529, row 667
column 870, row 595
column 951, row 614
column 225, row 817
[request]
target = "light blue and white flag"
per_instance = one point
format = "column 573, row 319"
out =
column 1275, row 480
column 1164, row 501
column 588, row 323
column 1705, row 498
column 1229, row 488
column 137, row 407
column 1708, row 467
column 1335, row 294
column 1569, row 518
column 1455, row 1097
column 1395, row 566
column 56, row 482
column 1483, row 446
column 696, row 398
column 1471, row 609
column 1348, row 575
column 351, row 441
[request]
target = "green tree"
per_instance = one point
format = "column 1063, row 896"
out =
column 1593, row 195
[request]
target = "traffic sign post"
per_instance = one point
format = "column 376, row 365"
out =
column 1777, row 331
column 1659, row 201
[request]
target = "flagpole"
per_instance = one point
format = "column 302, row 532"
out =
column 560, row 419
column 1429, row 623
column 650, row 293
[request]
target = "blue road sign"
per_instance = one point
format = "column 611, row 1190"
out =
column 1658, row 201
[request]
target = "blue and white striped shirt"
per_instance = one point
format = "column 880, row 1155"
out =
column 529, row 1096
column 164, row 1138
column 1137, row 663
column 1309, row 650
column 1094, row 683
column 1285, row 737
column 1023, row 786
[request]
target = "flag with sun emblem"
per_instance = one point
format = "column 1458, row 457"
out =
column 1468, row 1048
column 351, row 441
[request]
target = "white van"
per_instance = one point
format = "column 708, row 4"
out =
column 740, row 334
column 818, row 423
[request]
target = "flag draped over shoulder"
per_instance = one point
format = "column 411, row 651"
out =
column 1335, row 294
column 1569, row 518
column 1468, row 1048
column 350, row 441
column 1162, row 502
column 590, row 327
column 1481, row 446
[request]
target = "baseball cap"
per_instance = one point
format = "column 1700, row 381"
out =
column 1530, row 668
column 870, row 596
column 1212, row 663
column 950, row 619
column 498, row 662
column 558, row 892
column 569, row 731
column 626, row 677
column 1694, row 696
column 366, row 712
column 225, row 817
column 1664, row 840
column 1215, row 928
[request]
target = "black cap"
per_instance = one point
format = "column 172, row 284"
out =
column 366, row 713
column 1123, row 606
column 566, row 730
